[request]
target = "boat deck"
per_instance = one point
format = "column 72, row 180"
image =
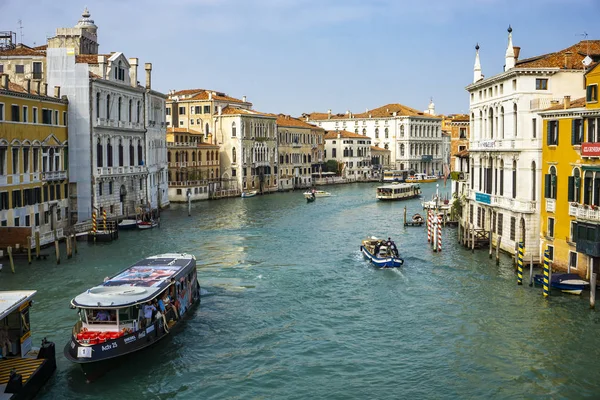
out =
column 24, row 366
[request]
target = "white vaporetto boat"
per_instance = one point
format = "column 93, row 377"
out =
column 250, row 193
column 317, row 193
column 398, row 191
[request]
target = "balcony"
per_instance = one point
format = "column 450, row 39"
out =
column 542, row 104
column 54, row 176
column 516, row 205
column 550, row 205
column 584, row 212
column 111, row 123
column 129, row 169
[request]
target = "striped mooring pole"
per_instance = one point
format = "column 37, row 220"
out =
column 546, row 290
column 520, row 263
column 94, row 228
column 104, row 219
column 428, row 226
column 439, row 234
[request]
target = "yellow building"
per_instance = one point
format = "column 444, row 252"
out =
column 570, row 212
column 34, row 187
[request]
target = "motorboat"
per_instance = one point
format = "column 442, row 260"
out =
column 251, row 193
column 567, row 283
column 421, row 178
column 147, row 224
column 317, row 193
column 381, row 253
column 398, row 191
column 132, row 310
column 127, row 224
column 311, row 199
column 24, row 369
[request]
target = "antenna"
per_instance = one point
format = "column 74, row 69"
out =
column 587, row 60
column 21, row 29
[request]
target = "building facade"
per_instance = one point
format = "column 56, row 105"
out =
column 414, row 138
column 570, row 217
column 457, row 126
column 34, row 185
column 352, row 151
column 505, row 143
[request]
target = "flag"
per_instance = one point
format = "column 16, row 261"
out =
column 446, row 173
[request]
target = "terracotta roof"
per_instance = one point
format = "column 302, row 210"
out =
column 13, row 87
column 89, row 58
column 387, row 110
column 185, row 92
column 286, row 120
column 22, row 50
column 578, row 103
column 42, row 47
column 458, row 117
column 230, row 110
column 183, row 130
column 344, row 134
column 376, row 148
column 93, row 75
column 562, row 58
column 202, row 94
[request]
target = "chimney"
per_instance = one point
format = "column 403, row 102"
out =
column 219, row 109
column 148, row 68
column 102, row 66
column 38, row 84
column 133, row 62
column 57, row 92
column 209, row 95
column 329, row 114
column 44, row 89
column 567, row 102
column 5, row 81
column 567, row 59
column 244, row 99
column 28, row 85
column 517, row 50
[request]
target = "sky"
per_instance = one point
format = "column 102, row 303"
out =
column 296, row 56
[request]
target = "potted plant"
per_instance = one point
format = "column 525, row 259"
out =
column 574, row 204
column 594, row 207
column 585, row 206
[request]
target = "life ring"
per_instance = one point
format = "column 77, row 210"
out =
column 417, row 218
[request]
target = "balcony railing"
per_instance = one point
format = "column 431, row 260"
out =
column 584, row 212
column 111, row 123
column 550, row 205
column 517, row 205
column 129, row 169
column 54, row 176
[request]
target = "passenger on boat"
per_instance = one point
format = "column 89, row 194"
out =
column 161, row 305
column 5, row 343
column 102, row 315
column 148, row 309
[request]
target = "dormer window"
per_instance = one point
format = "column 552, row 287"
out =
column 120, row 72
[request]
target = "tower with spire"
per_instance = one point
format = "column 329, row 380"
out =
column 510, row 52
column 477, row 75
column 82, row 38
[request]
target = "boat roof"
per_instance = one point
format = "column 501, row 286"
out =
column 397, row 185
column 139, row 283
column 11, row 300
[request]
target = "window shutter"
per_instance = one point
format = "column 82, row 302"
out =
column 548, row 132
column 547, row 185
column 555, row 185
column 557, row 132
column 573, row 133
column 571, row 193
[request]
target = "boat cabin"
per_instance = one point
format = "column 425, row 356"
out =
column 15, row 328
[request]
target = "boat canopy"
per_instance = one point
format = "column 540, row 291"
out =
column 398, row 185
column 13, row 299
column 137, row 284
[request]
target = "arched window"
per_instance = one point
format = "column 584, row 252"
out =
column 588, row 183
column 139, row 151
column 376, row 133
column 169, row 156
column 108, row 106
column 491, row 122
column 533, row 182
column 138, row 111
column 515, row 125
column 575, row 186
column 514, row 180
column 121, row 153
column 98, row 105
column 501, row 177
column 233, row 155
column 386, row 133
column 401, row 130
column 551, row 188
column 130, row 110
column 402, row 150
column 109, row 154
column 233, row 129
column 99, row 154
column 501, row 127
column 131, row 153
column 364, row 131
column 386, row 146
column 193, row 156
column 120, row 105
column 206, row 132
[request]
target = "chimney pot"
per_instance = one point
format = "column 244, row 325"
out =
column 517, row 50
column 44, row 89
column 28, row 85
column 57, row 92
column 567, row 102
column 244, row 99
column 5, row 81
column 148, row 68
column 133, row 71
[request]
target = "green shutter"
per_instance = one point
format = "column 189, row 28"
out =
column 557, row 132
column 573, row 133
column 548, row 132
column 547, row 185
column 571, row 194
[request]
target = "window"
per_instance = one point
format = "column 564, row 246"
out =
column 99, row 161
column 573, row 259
column 15, row 117
column 110, row 187
column 233, row 155
column 197, row 109
column 514, row 84
column 541, row 84
column 37, row 70
column 191, row 122
column 98, row 105
column 534, row 128
column 513, row 225
column 15, row 161
column 233, row 171
column 574, row 192
column 463, row 133
column 206, row 109
column 550, row 184
column 233, row 129
column 576, row 131
column 139, row 149
column 20, row 69
column 25, row 119
column 100, row 188
column 26, row 159
column 591, row 124
column 46, row 116
column 181, row 110
column 550, row 227
column 591, row 93
column 1, row 69
column 109, row 154
column 1, row 112
column 552, row 138
column 168, row 109
column 36, row 158
column 120, row 104
column 4, row 201
column 55, row 117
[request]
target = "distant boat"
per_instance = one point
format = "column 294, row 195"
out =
column 398, row 191
column 251, row 193
column 310, row 199
column 380, row 254
column 421, row 178
column 568, row 283
column 317, row 193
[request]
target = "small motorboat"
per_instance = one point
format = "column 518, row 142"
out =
column 251, row 193
column 147, row 224
column 417, row 219
column 316, row 193
column 568, row 283
column 381, row 253
column 310, row 199
column 127, row 224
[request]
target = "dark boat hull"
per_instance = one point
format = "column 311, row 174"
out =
column 558, row 282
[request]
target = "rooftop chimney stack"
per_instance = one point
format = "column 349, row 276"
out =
column 567, row 59
column 38, row 85
column 102, row 66
column 28, row 85
column 57, row 92
column 329, row 114
column 44, row 89
column 148, row 68
column 567, row 102
column 5, row 81
column 133, row 62
column 244, row 99
column 517, row 51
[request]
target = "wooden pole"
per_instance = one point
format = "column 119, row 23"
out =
column 520, row 252
column 56, row 248
column 498, row 241
column 546, row 290
column 69, row 249
column 29, row 249
column 37, row 245
column 473, row 239
column 404, row 215
column 593, row 291
column 490, row 237
column 531, row 269
column 75, row 243
column 10, row 258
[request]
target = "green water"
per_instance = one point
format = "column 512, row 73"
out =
column 290, row 310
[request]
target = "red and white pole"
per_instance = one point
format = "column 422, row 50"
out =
column 439, row 235
column 428, row 225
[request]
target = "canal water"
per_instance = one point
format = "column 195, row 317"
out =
column 290, row 310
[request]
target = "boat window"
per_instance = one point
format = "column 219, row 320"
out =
column 127, row 314
column 101, row 316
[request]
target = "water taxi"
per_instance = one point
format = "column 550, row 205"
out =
column 250, row 193
column 316, row 193
column 421, row 178
column 23, row 368
column 132, row 310
column 381, row 253
column 398, row 191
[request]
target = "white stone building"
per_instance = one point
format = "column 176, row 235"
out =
column 352, row 151
column 414, row 138
column 505, row 142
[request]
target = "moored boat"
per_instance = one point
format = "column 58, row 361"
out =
column 567, row 283
column 132, row 310
column 398, row 191
column 251, row 193
column 127, row 224
column 381, row 253
column 23, row 368
column 147, row 224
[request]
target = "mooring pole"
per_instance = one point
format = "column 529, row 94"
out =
column 546, row 290
column 29, row 249
column 593, row 291
column 521, row 251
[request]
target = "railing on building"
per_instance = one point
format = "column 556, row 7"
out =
column 54, row 176
column 542, row 104
column 518, row 205
column 48, row 237
column 129, row 169
column 584, row 211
